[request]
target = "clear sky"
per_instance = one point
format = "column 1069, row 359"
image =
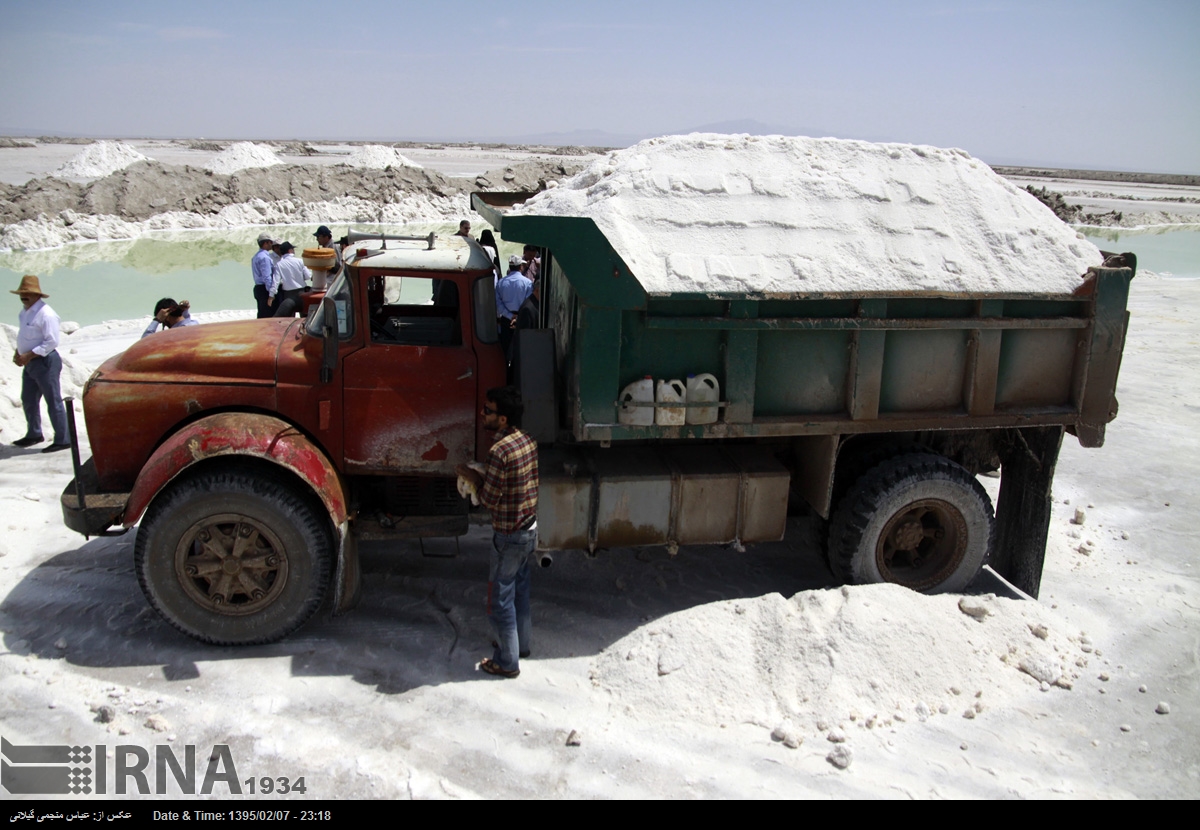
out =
column 1099, row 84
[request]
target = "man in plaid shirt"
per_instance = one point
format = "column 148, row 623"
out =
column 509, row 489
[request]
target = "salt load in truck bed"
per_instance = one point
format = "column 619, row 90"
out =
column 778, row 216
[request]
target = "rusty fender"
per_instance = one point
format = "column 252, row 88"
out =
column 238, row 433
column 255, row 436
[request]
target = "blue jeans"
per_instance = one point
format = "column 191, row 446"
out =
column 40, row 379
column 508, row 594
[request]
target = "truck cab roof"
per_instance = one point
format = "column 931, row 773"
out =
column 416, row 253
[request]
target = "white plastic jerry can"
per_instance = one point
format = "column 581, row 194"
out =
column 702, row 389
column 671, row 391
column 632, row 399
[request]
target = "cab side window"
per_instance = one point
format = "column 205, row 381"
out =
column 414, row 311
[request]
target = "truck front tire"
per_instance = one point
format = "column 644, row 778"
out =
column 234, row 556
column 918, row 520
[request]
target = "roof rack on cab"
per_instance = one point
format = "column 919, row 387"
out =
column 364, row 236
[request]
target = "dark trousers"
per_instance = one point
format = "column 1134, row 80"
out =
column 289, row 302
column 261, row 297
column 40, row 380
column 506, row 336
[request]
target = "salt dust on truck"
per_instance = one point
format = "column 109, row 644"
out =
column 253, row 456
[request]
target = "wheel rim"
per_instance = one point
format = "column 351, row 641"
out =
column 231, row 564
column 922, row 544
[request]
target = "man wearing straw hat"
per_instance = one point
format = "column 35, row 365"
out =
column 37, row 353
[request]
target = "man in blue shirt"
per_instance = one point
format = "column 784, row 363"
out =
column 512, row 291
column 263, row 269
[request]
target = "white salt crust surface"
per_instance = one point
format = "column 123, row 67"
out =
column 100, row 159
column 243, row 155
column 378, row 157
column 868, row 655
column 707, row 674
column 782, row 215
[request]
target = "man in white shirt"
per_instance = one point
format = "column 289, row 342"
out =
column 37, row 354
column 293, row 279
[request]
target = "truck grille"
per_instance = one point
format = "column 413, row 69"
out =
column 417, row 496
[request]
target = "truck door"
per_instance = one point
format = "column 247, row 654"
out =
column 410, row 395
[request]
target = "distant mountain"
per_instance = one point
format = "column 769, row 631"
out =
column 600, row 138
column 748, row 126
column 578, row 138
column 26, row 132
column 23, row 132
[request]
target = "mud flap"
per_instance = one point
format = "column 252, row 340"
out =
column 1027, row 465
column 347, row 579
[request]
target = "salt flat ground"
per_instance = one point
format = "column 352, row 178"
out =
column 672, row 672
column 386, row 702
column 1182, row 201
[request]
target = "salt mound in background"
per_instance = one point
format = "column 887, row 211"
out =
column 378, row 157
column 786, row 216
column 42, row 234
column 241, row 156
column 866, row 654
column 100, row 159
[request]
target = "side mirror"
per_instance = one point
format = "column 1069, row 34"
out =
column 329, row 339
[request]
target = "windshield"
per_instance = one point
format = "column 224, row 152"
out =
column 342, row 295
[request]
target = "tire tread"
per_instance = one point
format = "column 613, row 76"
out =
column 864, row 499
column 296, row 510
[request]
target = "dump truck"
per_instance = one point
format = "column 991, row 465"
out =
column 254, row 455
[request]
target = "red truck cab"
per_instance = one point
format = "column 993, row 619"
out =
column 246, row 448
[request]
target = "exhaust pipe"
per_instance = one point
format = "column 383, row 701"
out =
column 544, row 559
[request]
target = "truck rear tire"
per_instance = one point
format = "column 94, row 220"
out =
column 234, row 557
column 918, row 520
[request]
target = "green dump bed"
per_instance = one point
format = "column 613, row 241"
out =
column 821, row 364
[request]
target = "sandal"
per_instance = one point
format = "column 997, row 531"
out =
column 490, row 666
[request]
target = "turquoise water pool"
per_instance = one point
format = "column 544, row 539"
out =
column 1168, row 253
column 92, row 282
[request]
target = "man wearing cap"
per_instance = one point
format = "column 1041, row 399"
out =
column 293, row 278
column 37, row 354
column 511, row 291
column 263, row 269
column 325, row 240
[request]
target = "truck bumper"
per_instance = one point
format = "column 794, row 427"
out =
column 98, row 511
